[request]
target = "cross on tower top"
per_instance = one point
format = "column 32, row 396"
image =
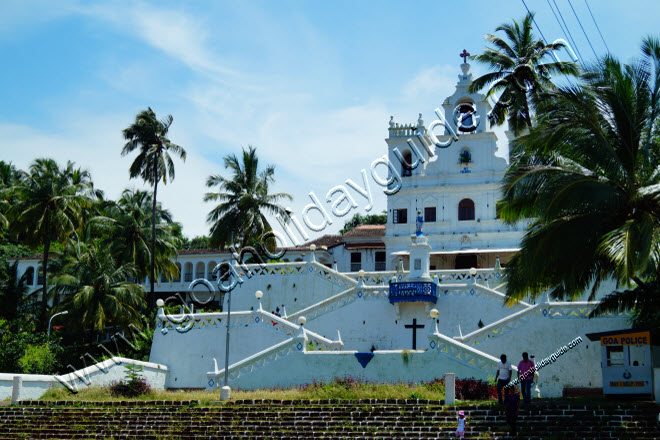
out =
column 464, row 55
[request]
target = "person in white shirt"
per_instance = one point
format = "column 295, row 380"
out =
column 503, row 376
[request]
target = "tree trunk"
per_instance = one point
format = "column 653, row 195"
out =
column 150, row 301
column 528, row 117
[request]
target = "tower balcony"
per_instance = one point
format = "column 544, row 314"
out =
column 412, row 291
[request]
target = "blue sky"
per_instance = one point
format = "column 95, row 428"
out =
column 310, row 84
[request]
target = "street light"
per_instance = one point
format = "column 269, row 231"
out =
column 51, row 318
column 434, row 315
column 473, row 272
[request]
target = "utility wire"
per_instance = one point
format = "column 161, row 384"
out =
column 541, row 32
column 599, row 32
column 570, row 36
column 535, row 23
column 583, row 31
column 565, row 34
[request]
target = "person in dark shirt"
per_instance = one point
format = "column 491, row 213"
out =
column 511, row 402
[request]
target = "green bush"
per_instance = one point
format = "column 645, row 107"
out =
column 38, row 359
column 133, row 385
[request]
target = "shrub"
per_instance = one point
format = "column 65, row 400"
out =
column 38, row 359
column 132, row 386
column 473, row 389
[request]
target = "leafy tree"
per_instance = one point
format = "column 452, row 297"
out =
column 12, row 292
column 245, row 199
column 200, row 242
column 518, row 72
column 125, row 228
column 96, row 289
column 588, row 175
column 38, row 359
column 49, row 203
column 9, row 176
column 153, row 162
column 357, row 220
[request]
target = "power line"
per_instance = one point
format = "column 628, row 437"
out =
column 583, row 31
column 570, row 36
column 535, row 24
column 541, row 32
column 565, row 34
column 599, row 32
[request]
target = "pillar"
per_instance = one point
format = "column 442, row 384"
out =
column 450, row 388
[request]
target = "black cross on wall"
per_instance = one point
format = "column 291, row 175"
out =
column 414, row 328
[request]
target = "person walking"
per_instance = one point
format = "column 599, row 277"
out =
column 460, row 428
column 526, row 369
column 503, row 376
column 511, row 402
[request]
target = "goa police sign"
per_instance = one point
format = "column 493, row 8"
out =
column 639, row 338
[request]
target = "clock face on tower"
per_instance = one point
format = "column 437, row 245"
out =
column 466, row 118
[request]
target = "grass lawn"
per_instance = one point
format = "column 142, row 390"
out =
column 344, row 390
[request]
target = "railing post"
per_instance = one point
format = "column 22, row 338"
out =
column 16, row 389
column 450, row 388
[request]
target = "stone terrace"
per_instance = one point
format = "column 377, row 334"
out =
column 366, row 419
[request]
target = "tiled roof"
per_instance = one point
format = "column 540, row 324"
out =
column 203, row 251
column 329, row 241
column 366, row 231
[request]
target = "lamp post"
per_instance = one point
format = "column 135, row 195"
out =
column 434, row 315
column 473, row 272
column 51, row 318
column 259, row 294
column 225, row 392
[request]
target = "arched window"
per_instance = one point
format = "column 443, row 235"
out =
column 406, row 165
column 188, row 272
column 199, row 270
column 29, row 276
column 40, row 276
column 466, row 210
column 212, row 276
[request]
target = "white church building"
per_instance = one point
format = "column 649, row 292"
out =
column 385, row 302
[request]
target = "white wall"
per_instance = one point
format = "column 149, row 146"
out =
column 101, row 374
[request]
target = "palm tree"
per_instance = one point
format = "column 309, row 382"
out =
column 244, row 198
column 125, row 228
column 49, row 203
column 12, row 291
column 95, row 288
column 518, row 72
column 9, row 176
column 589, row 177
column 153, row 162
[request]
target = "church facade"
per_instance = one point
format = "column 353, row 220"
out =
column 411, row 300
column 455, row 191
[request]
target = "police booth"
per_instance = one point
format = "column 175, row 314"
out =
column 627, row 361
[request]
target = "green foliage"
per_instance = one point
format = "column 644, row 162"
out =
column 244, row 200
column 125, row 228
column 518, row 74
column 96, row 289
column 199, row 242
column 14, row 342
column 587, row 176
column 38, row 359
column 358, row 220
column 48, row 206
column 133, row 385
